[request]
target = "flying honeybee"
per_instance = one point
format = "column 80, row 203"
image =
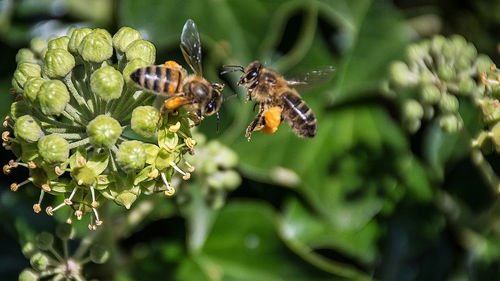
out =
column 277, row 99
column 170, row 80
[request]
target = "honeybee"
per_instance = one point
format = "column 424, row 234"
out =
column 193, row 92
column 277, row 99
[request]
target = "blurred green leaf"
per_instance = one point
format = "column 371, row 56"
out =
column 243, row 245
column 307, row 232
column 374, row 42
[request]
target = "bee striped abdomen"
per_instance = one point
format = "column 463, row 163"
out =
column 158, row 79
column 298, row 115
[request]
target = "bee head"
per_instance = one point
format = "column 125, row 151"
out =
column 249, row 77
column 215, row 100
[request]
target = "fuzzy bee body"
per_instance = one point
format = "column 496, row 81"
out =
column 170, row 80
column 269, row 89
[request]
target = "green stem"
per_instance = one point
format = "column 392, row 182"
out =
column 75, row 114
column 79, row 143
column 74, row 136
column 485, row 169
column 127, row 108
column 76, row 95
column 63, row 130
column 87, row 241
column 306, row 38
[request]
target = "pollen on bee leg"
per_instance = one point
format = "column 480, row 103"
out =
column 172, row 64
column 170, row 189
column 173, row 103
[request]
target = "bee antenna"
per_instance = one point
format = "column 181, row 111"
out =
column 234, row 68
column 229, row 98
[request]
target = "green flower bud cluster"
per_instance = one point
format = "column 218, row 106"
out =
column 49, row 263
column 437, row 73
column 215, row 165
column 84, row 131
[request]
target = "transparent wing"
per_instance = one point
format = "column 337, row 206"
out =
column 191, row 46
column 311, row 78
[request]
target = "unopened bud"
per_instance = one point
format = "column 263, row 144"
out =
column 53, row 148
column 144, row 120
column 124, row 37
column 57, row 63
column 131, row 156
column 103, row 131
column 95, row 47
column 141, row 49
column 53, row 97
column 27, row 129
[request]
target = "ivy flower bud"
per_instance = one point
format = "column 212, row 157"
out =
column 141, row 49
column 467, row 85
column 144, row 120
column 126, row 198
column 131, row 67
column 31, row 88
column 28, row 249
column 37, row 45
column 400, row 74
column 59, row 43
column 448, row 103
column 107, row 83
column 26, row 70
column 39, row 261
column 450, row 123
column 53, row 97
column 25, row 55
column 104, row 131
column 53, row 148
column 483, row 63
column 412, row 109
column 57, row 63
column 95, row 47
column 27, row 129
column 131, row 157
column 18, row 109
column 104, row 32
column 76, row 38
column 124, row 37
column 99, row 254
column 28, row 275
column 447, row 72
column 430, row 94
column 44, row 241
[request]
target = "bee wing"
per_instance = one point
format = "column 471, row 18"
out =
column 315, row 77
column 191, row 46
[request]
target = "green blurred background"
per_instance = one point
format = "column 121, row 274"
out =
column 362, row 200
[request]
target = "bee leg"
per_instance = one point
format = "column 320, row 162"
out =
column 256, row 124
column 195, row 118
